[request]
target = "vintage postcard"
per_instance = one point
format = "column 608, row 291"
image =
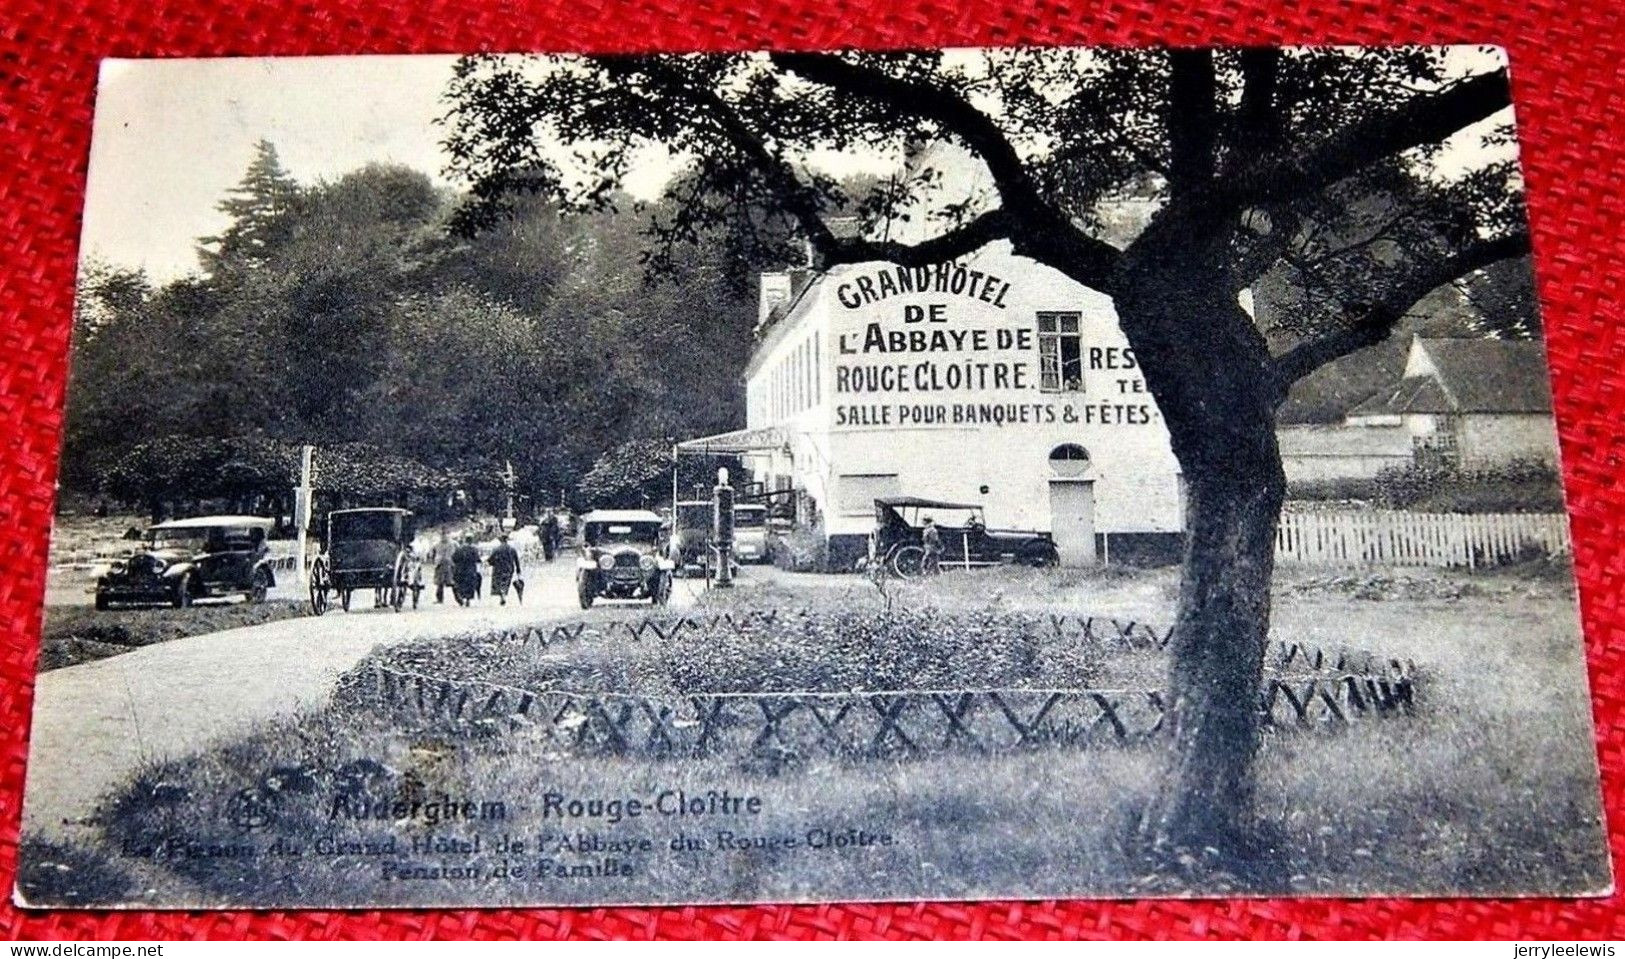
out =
column 948, row 474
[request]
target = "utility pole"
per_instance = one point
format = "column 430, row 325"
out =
column 508, row 481
column 301, row 511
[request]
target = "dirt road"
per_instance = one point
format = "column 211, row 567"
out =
column 97, row 722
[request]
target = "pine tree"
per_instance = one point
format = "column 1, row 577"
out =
column 259, row 206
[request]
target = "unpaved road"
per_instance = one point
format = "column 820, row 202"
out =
column 96, row 723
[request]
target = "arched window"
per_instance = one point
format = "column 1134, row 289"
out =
column 1068, row 459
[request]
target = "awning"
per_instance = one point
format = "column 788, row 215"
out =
column 739, row 441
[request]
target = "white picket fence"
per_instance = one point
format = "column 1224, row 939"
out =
column 1397, row 538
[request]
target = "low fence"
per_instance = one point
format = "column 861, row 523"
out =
column 1305, row 687
column 1397, row 538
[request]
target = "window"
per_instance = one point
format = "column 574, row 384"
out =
column 1060, row 352
column 1069, row 459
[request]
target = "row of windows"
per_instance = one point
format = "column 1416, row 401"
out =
column 792, row 385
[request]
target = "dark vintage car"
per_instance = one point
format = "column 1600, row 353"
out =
column 621, row 557
column 690, row 548
column 369, row 548
column 966, row 540
column 187, row 559
column 750, row 533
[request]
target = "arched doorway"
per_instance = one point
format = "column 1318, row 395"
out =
column 1072, row 505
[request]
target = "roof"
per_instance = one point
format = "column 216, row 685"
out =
column 370, row 509
column 621, row 516
column 737, row 441
column 1469, row 376
column 1492, row 376
column 926, row 503
column 1413, row 394
column 201, row 522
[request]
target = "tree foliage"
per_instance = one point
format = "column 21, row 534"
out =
column 343, row 314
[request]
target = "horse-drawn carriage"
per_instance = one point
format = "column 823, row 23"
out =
column 366, row 549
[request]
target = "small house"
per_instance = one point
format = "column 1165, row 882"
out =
column 1473, row 403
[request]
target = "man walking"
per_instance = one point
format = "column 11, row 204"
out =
column 504, row 564
column 931, row 540
column 465, row 574
column 550, row 535
column 440, row 562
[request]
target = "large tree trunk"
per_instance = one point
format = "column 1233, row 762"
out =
column 1205, row 796
column 1209, row 370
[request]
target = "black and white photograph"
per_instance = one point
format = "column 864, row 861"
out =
column 1020, row 473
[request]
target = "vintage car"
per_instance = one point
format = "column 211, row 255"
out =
column 750, row 533
column 966, row 540
column 621, row 557
column 689, row 548
column 368, row 548
column 187, row 559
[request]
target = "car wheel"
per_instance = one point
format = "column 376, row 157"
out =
column 183, row 592
column 1041, row 556
column 259, row 586
column 662, row 593
column 102, row 601
column 908, row 561
column 584, row 591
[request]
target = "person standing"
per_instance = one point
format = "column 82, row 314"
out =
column 440, row 562
column 931, row 540
column 465, row 574
column 504, row 564
column 550, row 536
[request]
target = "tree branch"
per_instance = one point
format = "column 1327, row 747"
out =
column 1259, row 125
column 1370, row 324
column 1425, row 119
column 801, row 202
column 1033, row 223
column 1192, row 109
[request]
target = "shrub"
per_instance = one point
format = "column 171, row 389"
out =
column 1516, row 486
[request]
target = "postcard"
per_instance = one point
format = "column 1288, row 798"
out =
column 788, row 477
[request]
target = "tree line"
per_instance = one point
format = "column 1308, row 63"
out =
column 348, row 315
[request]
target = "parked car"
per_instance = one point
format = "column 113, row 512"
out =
column 187, row 559
column 689, row 547
column 622, row 558
column 966, row 540
column 369, row 548
column 750, row 533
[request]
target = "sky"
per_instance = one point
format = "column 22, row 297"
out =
column 171, row 137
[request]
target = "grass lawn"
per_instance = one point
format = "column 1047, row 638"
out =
column 1489, row 789
column 79, row 634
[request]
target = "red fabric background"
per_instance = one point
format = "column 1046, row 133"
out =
column 1568, row 76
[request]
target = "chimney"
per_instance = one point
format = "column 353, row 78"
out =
column 775, row 294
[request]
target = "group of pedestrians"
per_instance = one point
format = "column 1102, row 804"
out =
column 457, row 565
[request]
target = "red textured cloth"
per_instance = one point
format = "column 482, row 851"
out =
column 1568, row 67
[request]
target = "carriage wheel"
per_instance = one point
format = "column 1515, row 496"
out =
column 319, row 586
column 908, row 561
column 260, row 585
column 402, row 581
